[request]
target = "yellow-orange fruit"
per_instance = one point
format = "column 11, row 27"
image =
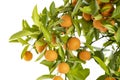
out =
column 86, row 16
column 107, row 9
column 63, row 68
column 67, row 21
column 73, row 43
column 98, row 25
column 74, row 2
column 51, row 55
column 57, row 78
column 39, row 47
column 85, row 55
column 27, row 56
column 110, row 78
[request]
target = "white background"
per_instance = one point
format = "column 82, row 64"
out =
column 11, row 66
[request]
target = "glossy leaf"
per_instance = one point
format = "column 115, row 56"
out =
column 44, row 77
column 20, row 34
column 77, row 26
column 116, row 12
column 75, row 10
column 61, row 53
column 25, row 25
column 117, row 35
column 102, row 64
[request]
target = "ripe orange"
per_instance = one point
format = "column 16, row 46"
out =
column 40, row 47
column 110, row 78
column 63, row 68
column 51, row 55
column 28, row 56
column 85, row 55
column 86, row 16
column 98, row 25
column 57, row 78
column 67, row 21
column 73, row 43
column 107, row 9
column 74, row 2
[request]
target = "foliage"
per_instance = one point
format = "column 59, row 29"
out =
column 47, row 23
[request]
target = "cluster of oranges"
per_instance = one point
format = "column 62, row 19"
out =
column 73, row 43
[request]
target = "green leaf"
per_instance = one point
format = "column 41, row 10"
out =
column 99, row 54
column 90, row 47
column 24, row 50
column 46, row 63
column 65, row 1
column 116, row 13
column 61, row 53
column 105, row 1
column 75, row 10
column 90, row 36
column 110, row 28
column 40, row 56
column 94, row 7
column 44, row 17
column 108, row 43
column 20, row 34
column 53, row 67
column 86, row 9
column 77, row 73
column 77, row 26
column 102, row 64
column 117, row 35
column 25, row 25
column 52, row 9
column 35, row 15
column 23, row 42
column 44, row 77
column 102, row 77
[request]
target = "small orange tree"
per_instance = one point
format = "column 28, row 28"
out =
column 57, row 32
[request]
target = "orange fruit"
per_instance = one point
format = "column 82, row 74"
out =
column 40, row 46
column 98, row 25
column 110, row 78
column 73, row 43
column 27, row 56
column 85, row 55
column 63, row 68
column 86, row 16
column 67, row 21
column 51, row 55
column 57, row 78
column 74, row 2
column 107, row 9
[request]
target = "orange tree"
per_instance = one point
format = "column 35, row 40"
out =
column 57, row 32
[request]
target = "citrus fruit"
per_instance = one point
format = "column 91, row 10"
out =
column 40, row 46
column 73, row 43
column 51, row 55
column 98, row 25
column 84, row 55
column 67, row 22
column 63, row 68
column 107, row 9
column 86, row 16
column 27, row 56
column 74, row 2
column 110, row 78
column 57, row 78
